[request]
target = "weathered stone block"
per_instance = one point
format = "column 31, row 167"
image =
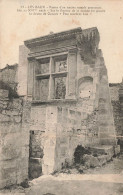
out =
column 103, row 149
column 17, row 119
column 17, row 103
column 102, row 159
column 90, row 161
column 63, row 151
column 10, row 153
column 2, row 183
column 13, row 112
column 4, row 118
column 94, row 162
column 9, row 164
column 22, row 163
column 25, row 138
column 117, row 149
column 103, row 111
column 108, row 157
column 22, row 174
column 3, row 104
column 102, row 100
column 4, row 93
column 103, row 134
column 25, row 151
column 108, row 141
column 9, row 173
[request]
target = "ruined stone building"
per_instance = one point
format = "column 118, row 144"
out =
column 67, row 104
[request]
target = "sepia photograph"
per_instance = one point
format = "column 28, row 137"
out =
column 61, row 97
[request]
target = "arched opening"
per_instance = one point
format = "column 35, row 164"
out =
column 85, row 87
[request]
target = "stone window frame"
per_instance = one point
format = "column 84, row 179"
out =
column 51, row 75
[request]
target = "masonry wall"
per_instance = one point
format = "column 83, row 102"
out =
column 62, row 128
column 117, row 108
column 14, row 142
column 86, row 120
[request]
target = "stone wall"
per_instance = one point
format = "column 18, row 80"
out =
column 62, row 128
column 59, row 129
column 117, row 107
column 14, row 142
column 121, row 114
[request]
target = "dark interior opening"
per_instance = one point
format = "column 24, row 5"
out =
column 120, row 142
column 35, row 155
column 79, row 152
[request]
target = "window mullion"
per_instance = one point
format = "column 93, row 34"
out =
column 51, row 80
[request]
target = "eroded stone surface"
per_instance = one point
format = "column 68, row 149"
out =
column 14, row 148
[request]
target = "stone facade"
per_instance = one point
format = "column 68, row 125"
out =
column 68, row 88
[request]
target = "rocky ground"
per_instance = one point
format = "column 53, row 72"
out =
column 105, row 180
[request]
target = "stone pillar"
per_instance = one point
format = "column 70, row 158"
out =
column 22, row 70
column 72, row 73
column 30, row 81
column 36, row 82
column 48, row 165
column 107, row 134
column 51, row 80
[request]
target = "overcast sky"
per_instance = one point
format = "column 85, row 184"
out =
column 17, row 27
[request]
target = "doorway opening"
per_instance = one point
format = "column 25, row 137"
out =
column 35, row 154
